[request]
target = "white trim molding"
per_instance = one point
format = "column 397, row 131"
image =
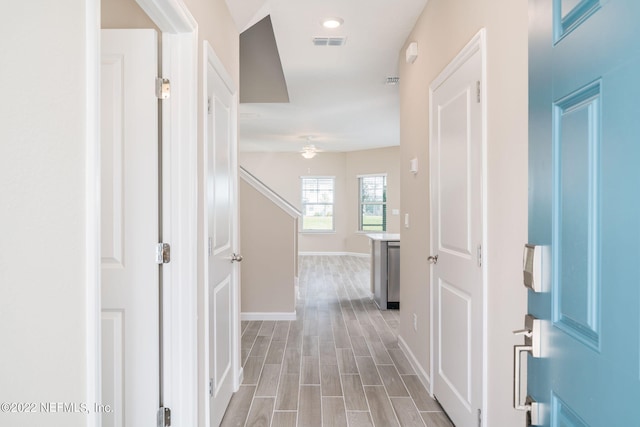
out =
column 267, row 192
column 92, row 210
column 255, row 316
column 179, row 228
column 425, row 379
column 356, row 254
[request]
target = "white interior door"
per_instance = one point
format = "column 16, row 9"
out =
column 456, row 177
column 129, row 228
column 221, row 190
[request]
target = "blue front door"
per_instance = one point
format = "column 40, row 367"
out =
column 584, row 202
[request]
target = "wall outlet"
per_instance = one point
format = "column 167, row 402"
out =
column 415, row 322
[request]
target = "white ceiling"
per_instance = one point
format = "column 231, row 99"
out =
column 337, row 94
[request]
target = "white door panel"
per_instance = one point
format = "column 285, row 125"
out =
column 456, row 177
column 221, row 213
column 129, row 227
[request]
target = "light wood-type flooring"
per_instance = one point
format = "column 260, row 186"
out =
column 337, row 364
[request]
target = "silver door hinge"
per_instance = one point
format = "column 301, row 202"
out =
column 478, row 91
column 211, row 387
column 479, row 255
column 479, row 417
column 164, row 417
column 163, row 88
column 209, row 105
column 210, row 246
column 163, row 253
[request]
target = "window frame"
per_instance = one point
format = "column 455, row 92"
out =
column 332, row 204
column 382, row 203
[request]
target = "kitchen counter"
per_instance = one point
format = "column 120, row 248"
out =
column 384, row 237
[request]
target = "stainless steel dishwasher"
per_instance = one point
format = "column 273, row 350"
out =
column 393, row 275
column 386, row 273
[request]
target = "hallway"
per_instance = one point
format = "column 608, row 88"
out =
column 338, row 364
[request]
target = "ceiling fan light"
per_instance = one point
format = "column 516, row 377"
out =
column 332, row 23
column 309, row 152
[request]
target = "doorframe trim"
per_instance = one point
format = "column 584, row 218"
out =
column 93, row 368
column 477, row 43
column 179, row 179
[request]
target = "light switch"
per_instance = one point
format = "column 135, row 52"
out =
column 395, row 211
column 413, row 165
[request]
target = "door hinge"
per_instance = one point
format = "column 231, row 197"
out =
column 209, row 105
column 210, row 246
column 163, row 253
column 164, row 417
column 479, row 417
column 479, row 255
column 211, row 387
column 163, row 88
column 478, row 91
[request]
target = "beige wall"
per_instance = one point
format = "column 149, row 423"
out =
column 124, row 14
column 282, row 172
column 43, row 166
column 382, row 160
column 443, row 29
column 269, row 254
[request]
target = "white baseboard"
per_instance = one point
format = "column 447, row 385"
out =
column 422, row 374
column 356, row 254
column 268, row 316
column 240, row 378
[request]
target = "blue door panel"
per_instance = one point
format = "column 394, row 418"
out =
column 584, row 201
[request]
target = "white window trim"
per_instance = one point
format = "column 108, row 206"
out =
column 333, row 230
column 358, row 177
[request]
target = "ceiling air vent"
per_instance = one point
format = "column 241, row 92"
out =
column 392, row 81
column 329, row 41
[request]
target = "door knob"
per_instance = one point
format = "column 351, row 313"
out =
column 236, row 257
column 433, row 259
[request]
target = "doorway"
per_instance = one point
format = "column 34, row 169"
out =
column 179, row 207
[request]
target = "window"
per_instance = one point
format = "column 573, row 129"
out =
column 373, row 203
column 317, row 204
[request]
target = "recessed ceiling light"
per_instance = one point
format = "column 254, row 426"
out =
column 332, row 23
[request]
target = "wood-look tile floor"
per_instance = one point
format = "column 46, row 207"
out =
column 337, row 364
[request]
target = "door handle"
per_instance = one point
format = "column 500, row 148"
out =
column 534, row 416
column 433, row 259
column 526, row 332
column 531, row 334
column 236, row 257
column 517, row 374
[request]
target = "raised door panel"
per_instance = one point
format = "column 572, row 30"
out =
column 456, row 177
column 129, row 225
column 584, row 175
